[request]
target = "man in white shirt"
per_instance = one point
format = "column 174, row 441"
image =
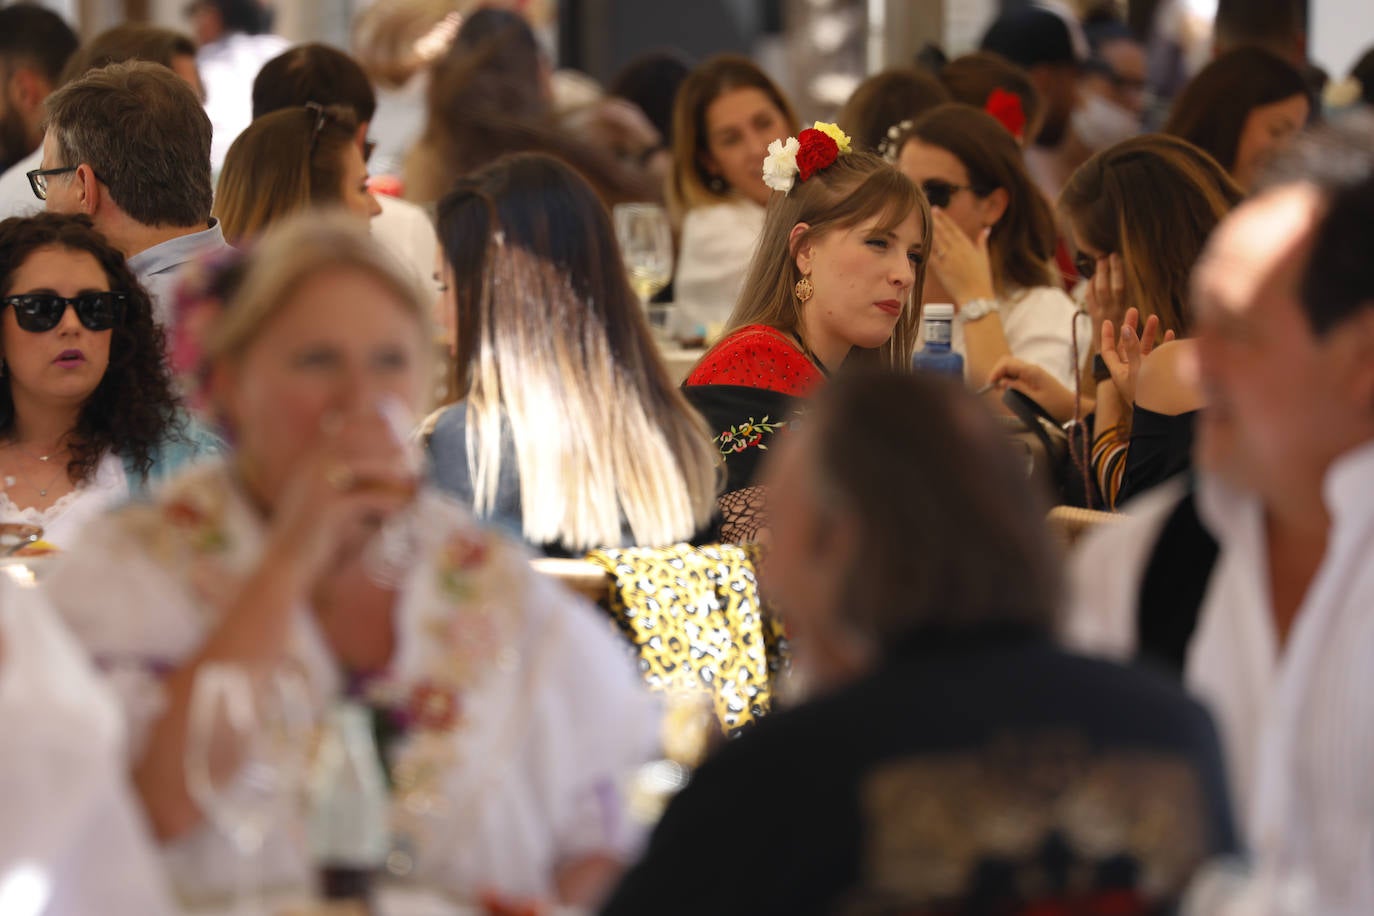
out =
column 1278, row 633
column 35, row 45
column 129, row 146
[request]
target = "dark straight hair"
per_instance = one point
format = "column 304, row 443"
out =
column 967, row 548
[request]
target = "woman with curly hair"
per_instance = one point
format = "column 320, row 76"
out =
column 87, row 414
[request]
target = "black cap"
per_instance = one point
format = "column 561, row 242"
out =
column 1033, row 35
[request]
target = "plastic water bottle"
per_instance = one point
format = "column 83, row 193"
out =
column 935, row 354
column 348, row 807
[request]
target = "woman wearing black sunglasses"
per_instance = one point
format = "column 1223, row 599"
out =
column 994, row 244
column 87, row 413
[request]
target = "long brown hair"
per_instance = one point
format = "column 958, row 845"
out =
column 486, row 100
column 886, row 99
column 857, row 187
column 689, row 184
column 971, row 78
column 281, row 164
column 1022, row 242
column 1153, row 200
column 1212, row 109
column 554, row 346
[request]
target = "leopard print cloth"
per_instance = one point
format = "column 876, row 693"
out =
column 695, row 616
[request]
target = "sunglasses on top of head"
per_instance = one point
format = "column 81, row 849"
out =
column 39, row 312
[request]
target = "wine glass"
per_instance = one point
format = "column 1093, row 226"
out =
column 646, row 245
column 247, row 742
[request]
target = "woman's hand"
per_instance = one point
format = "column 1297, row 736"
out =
column 1035, row 383
column 356, row 477
column 1123, row 352
column 1106, row 299
column 962, row 266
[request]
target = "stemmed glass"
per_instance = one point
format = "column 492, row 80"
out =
column 646, row 245
column 247, row 743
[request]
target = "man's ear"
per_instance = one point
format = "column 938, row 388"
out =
column 800, row 245
column 90, row 194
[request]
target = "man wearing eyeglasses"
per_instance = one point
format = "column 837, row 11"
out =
column 129, row 146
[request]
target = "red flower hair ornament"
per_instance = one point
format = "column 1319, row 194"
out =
column 804, row 155
column 1006, row 108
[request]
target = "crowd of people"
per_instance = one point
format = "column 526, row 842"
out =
column 263, row 412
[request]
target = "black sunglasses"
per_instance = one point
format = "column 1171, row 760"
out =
column 39, row 312
column 939, row 192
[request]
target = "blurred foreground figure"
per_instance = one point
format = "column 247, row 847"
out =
column 72, row 840
column 953, row 759
column 1255, row 582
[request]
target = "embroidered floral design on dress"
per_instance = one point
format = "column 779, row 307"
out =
column 747, row 435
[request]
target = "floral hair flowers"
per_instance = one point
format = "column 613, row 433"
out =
column 1006, row 108
column 804, row 155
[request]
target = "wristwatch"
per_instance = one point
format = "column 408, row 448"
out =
column 975, row 309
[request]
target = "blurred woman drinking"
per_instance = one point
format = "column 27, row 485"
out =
column 315, row 547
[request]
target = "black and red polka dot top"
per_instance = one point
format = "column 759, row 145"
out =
column 758, row 356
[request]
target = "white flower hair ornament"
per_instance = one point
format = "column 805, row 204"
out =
column 804, row 155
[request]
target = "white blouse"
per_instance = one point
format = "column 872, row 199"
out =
column 1297, row 722
column 1039, row 326
column 72, row 839
column 63, row 520
column 718, row 242
column 542, row 714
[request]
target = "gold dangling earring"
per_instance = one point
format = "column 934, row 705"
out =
column 804, row 289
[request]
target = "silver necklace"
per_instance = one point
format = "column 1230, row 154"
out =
column 43, row 490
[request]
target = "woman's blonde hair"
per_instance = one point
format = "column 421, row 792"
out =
column 689, row 183
column 281, row 164
column 554, row 345
column 856, row 188
column 1153, row 200
column 291, row 253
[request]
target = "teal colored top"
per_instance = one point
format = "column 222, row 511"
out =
column 193, row 442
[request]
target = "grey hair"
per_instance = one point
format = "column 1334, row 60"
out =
column 142, row 130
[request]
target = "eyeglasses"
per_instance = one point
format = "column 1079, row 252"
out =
column 1085, row 264
column 38, row 179
column 39, row 312
column 939, row 192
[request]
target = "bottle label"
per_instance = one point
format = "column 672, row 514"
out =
column 937, row 332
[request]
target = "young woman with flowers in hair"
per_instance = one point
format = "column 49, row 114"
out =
column 842, row 250
column 994, row 244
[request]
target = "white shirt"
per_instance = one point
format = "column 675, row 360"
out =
column 1297, row 726
column 227, row 70
column 553, row 714
column 72, row 839
column 16, row 194
column 1038, row 324
column 63, row 520
column 718, row 242
column 404, row 229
